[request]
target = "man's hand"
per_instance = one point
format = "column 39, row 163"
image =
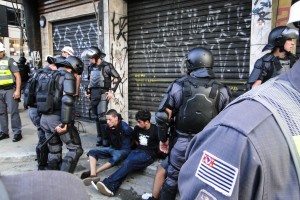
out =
column 17, row 94
column 87, row 94
column 109, row 95
column 61, row 129
column 164, row 146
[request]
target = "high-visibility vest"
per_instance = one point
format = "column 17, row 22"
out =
column 6, row 77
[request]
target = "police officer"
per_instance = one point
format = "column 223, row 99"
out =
column 10, row 93
column 60, row 119
column 254, row 156
column 279, row 60
column 35, row 117
column 101, row 88
column 193, row 100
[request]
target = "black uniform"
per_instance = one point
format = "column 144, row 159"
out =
column 100, row 77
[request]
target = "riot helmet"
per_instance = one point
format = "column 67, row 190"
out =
column 93, row 52
column 50, row 59
column 294, row 18
column 279, row 35
column 58, row 61
column 75, row 63
column 199, row 58
column 22, row 60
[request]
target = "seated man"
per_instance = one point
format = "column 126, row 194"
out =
column 119, row 136
column 145, row 135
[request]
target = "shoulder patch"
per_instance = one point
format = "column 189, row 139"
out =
column 203, row 194
column 217, row 173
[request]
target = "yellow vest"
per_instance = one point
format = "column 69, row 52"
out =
column 6, row 77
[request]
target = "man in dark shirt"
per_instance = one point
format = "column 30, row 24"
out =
column 146, row 138
column 24, row 72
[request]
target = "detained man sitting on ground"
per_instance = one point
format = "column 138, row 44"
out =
column 146, row 137
column 119, row 134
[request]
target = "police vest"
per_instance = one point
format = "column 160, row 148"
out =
column 272, row 64
column 6, row 76
column 98, row 78
column 49, row 92
column 199, row 106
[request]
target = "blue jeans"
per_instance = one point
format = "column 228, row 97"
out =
column 136, row 160
column 115, row 156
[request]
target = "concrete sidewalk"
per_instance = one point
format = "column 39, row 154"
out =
column 25, row 148
column 19, row 157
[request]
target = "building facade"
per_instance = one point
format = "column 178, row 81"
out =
column 146, row 40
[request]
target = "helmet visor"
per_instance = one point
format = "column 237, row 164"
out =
column 88, row 53
column 183, row 69
column 290, row 33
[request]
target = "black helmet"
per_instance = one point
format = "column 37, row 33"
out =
column 22, row 60
column 199, row 58
column 279, row 35
column 58, row 61
column 93, row 52
column 75, row 63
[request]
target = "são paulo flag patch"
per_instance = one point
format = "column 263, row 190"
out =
column 217, row 173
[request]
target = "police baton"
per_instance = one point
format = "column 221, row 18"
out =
column 41, row 146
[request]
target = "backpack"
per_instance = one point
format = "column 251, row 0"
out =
column 30, row 88
column 46, row 93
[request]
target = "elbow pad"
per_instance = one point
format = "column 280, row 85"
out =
column 67, row 109
column 162, row 120
column 69, row 84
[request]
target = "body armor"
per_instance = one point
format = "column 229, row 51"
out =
column 268, row 67
column 199, row 104
column 98, row 78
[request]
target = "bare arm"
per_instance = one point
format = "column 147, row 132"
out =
column 17, row 93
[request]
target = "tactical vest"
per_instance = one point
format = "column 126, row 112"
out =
column 6, row 76
column 199, row 106
column 273, row 65
column 97, row 76
column 49, row 93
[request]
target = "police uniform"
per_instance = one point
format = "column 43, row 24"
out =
column 100, row 83
column 249, row 156
column 7, row 103
column 193, row 108
column 62, row 114
column 35, row 117
column 270, row 66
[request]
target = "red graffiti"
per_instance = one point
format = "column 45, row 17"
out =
column 282, row 16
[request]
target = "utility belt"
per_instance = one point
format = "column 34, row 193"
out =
column 101, row 89
column 7, row 87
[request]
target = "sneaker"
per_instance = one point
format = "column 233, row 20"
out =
column 88, row 181
column 17, row 137
column 3, row 136
column 103, row 189
column 85, row 174
column 146, row 196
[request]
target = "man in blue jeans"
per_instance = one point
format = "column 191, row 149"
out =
column 146, row 138
column 119, row 135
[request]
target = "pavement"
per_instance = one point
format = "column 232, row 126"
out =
column 19, row 157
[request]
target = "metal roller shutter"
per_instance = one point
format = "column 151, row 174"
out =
column 79, row 33
column 161, row 32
